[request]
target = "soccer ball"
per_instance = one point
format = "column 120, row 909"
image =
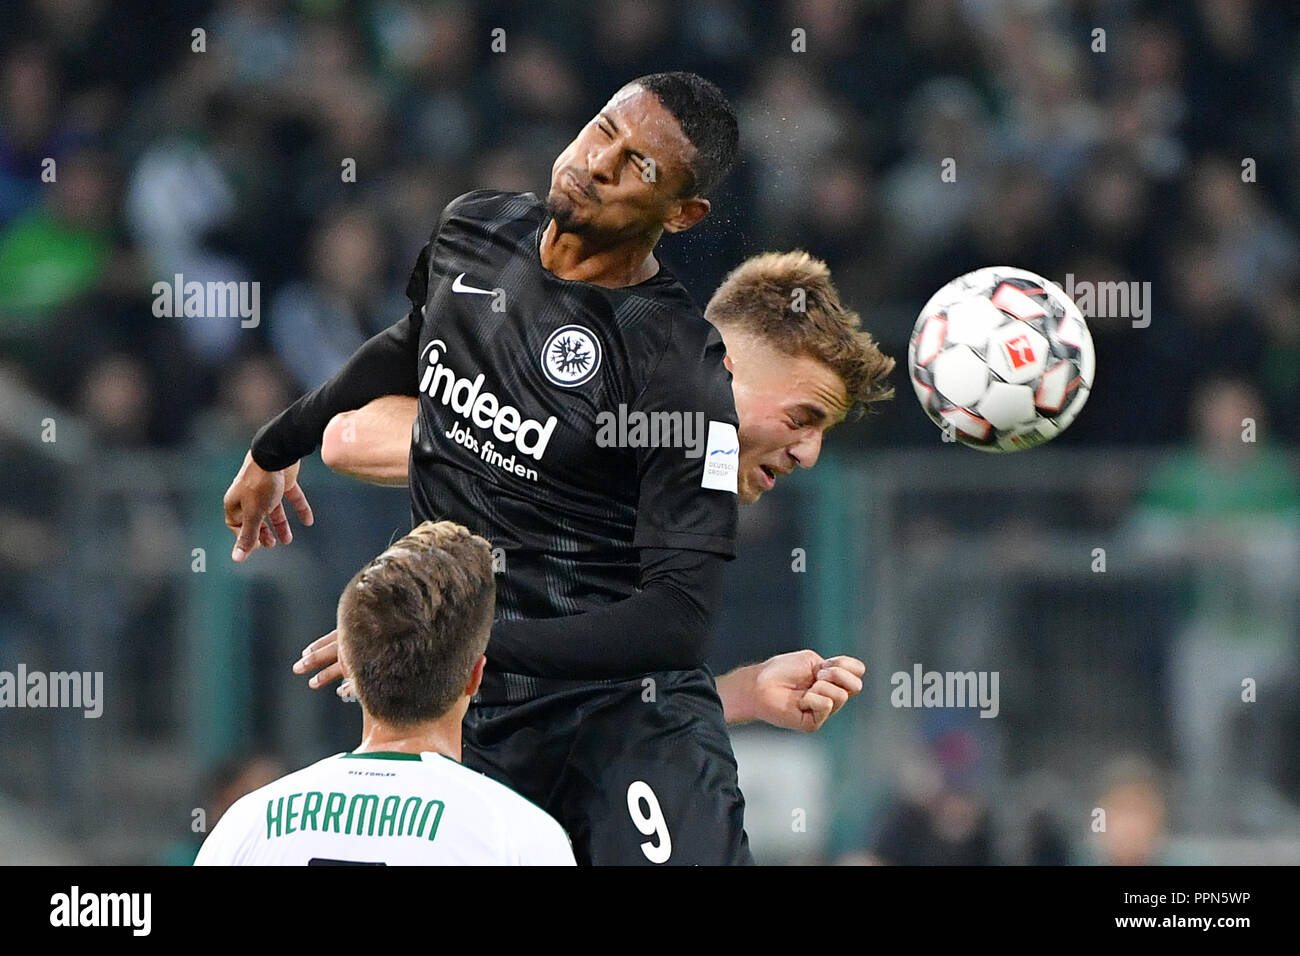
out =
column 1001, row 359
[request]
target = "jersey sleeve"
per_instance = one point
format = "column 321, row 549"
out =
column 384, row 365
column 664, row 626
column 688, row 496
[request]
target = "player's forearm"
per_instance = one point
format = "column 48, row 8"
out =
column 645, row 633
column 665, row 626
column 373, row 443
column 736, row 689
column 385, row 365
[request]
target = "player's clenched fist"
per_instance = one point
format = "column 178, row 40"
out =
column 798, row 690
column 254, row 505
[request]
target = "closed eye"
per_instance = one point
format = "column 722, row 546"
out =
column 638, row 159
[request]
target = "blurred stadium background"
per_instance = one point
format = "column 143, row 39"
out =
column 1120, row 689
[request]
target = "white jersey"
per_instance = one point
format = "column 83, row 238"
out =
column 385, row 808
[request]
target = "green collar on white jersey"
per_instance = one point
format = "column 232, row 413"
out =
column 384, row 755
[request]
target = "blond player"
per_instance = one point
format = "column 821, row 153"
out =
column 412, row 627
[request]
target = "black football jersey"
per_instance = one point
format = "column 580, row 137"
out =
column 530, row 387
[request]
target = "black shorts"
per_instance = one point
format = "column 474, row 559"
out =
column 637, row 771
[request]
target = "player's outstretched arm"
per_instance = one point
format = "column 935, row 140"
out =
column 799, row 690
column 610, row 642
column 372, row 443
column 663, row 626
column 383, row 366
column 254, row 505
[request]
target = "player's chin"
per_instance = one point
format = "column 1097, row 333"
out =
column 747, row 492
column 561, row 208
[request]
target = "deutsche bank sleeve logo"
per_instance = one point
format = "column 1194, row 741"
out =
column 721, row 458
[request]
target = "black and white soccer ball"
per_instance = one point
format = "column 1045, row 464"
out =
column 1001, row 359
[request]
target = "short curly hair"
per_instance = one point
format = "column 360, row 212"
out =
column 706, row 119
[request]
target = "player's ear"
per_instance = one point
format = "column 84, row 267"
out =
column 729, row 362
column 686, row 213
column 475, row 676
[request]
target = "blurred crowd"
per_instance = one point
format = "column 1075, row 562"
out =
column 903, row 141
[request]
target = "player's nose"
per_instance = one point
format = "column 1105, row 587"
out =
column 807, row 450
column 602, row 164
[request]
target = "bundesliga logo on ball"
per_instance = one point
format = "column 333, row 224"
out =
column 1001, row 359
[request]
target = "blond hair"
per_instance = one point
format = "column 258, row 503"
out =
column 788, row 300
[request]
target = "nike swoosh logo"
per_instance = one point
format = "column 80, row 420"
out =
column 458, row 286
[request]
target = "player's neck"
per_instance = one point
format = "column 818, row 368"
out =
column 438, row 736
column 569, row 256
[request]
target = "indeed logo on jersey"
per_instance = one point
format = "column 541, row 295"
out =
column 466, row 397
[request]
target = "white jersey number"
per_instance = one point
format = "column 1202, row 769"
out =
column 650, row 822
